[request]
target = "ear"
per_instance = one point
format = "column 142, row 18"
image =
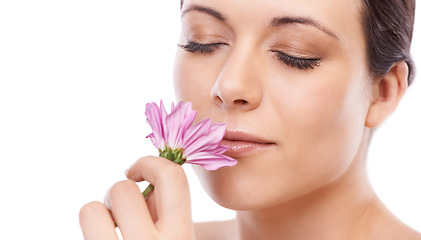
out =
column 387, row 93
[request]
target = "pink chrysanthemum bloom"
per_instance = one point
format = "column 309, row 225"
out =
column 179, row 141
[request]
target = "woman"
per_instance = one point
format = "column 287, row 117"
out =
column 301, row 86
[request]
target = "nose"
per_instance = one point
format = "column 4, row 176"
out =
column 239, row 83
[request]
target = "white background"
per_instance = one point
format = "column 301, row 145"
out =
column 74, row 80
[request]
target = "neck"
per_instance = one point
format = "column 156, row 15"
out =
column 336, row 211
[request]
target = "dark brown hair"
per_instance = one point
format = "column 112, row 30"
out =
column 388, row 26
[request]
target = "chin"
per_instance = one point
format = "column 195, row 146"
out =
column 236, row 189
column 252, row 186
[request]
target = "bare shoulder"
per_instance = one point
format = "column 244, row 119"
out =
column 397, row 231
column 222, row 230
column 387, row 226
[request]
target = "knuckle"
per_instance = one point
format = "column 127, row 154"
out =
column 173, row 173
column 120, row 188
column 90, row 209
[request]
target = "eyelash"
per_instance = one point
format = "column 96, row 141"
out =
column 202, row 48
column 300, row 63
column 295, row 62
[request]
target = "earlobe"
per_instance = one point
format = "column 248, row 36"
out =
column 387, row 92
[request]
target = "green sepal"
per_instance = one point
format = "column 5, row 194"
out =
column 175, row 155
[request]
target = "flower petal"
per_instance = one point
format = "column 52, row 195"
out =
column 179, row 120
column 220, row 149
column 200, row 143
column 208, row 141
column 196, row 131
column 154, row 141
column 154, row 119
column 211, row 161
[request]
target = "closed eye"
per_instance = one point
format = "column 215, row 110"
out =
column 202, row 48
column 297, row 62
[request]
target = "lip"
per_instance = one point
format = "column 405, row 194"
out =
column 243, row 143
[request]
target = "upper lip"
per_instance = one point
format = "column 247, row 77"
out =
column 234, row 135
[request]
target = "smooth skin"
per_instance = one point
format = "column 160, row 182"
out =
column 166, row 214
column 313, row 183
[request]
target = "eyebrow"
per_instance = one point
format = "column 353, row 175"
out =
column 278, row 21
column 275, row 22
column 206, row 10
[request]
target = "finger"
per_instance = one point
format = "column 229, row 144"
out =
column 130, row 212
column 96, row 222
column 151, row 203
column 171, row 192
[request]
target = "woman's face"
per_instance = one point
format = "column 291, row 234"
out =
column 292, row 74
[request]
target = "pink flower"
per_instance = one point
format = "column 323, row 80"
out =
column 180, row 141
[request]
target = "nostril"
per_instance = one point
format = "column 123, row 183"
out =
column 219, row 100
column 240, row 101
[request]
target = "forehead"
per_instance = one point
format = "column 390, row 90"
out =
column 262, row 7
column 340, row 16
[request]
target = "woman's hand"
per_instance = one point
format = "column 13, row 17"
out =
column 165, row 214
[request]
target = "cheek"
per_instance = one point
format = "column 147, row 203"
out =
column 183, row 78
column 317, row 109
column 193, row 78
column 324, row 123
column 319, row 120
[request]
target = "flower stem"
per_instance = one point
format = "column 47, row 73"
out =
column 175, row 155
column 147, row 191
